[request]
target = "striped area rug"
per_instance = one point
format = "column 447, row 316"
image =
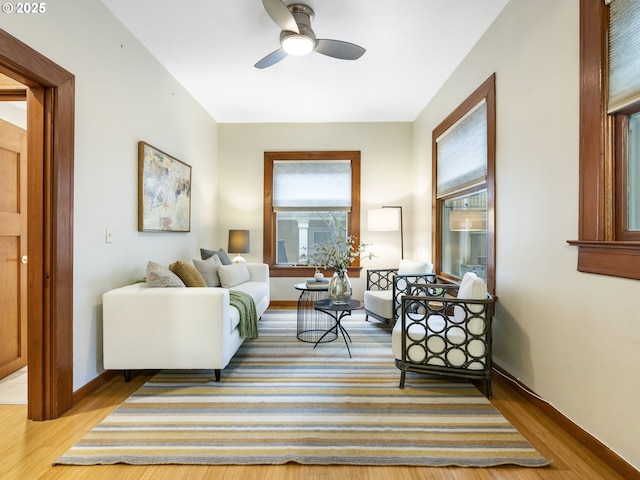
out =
column 282, row 400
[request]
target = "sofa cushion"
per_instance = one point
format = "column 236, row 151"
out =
column 234, row 274
column 209, row 270
column 188, row 274
column 257, row 290
column 160, row 276
column 222, row 255
column 410, row 267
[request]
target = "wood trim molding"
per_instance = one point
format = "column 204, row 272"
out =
column 93, row 386
column 269, row 219
column 599, row 449
column 50, row 132
column 284, row 304
column 598, row 250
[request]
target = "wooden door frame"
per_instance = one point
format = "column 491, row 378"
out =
column 50, row 148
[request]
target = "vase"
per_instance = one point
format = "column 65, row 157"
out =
column 340, row 288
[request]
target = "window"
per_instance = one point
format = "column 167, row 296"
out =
column 609, row 223
column 307, row 197
column 463, row 188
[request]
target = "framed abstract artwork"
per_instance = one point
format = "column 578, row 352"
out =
column 164, row 191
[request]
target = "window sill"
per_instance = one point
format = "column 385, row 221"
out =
column 616, row 259
column 306, row 271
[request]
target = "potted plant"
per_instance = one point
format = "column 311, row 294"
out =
column 338, row 253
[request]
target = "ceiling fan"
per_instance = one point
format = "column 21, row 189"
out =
column 297, row 36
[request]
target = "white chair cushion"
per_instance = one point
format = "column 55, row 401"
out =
column 379, row 302
column 408, row 267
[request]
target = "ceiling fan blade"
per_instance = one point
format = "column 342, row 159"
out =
column 271, row 59
column 280, row 14
column 339, row 49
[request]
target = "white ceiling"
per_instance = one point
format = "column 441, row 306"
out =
column 210, row 47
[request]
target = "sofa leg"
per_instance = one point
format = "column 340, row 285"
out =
column 217, row 372
column 127, row 375
column 489, row 392
column 402, row 374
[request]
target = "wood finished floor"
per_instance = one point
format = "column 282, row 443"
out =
column 28, row 449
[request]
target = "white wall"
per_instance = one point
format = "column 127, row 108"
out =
column 122, row 95
column 572, row 337
column 385, row 180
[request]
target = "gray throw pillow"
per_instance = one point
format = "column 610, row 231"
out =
column 222, row 255
column 209, row 270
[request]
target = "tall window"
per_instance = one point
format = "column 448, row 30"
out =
column 463, row 187
column 609, row 221
column 307, row 197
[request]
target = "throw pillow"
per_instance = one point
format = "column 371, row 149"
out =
column 159, row 276
column 234, row 274
column 222, row 255
column 410, row 267
column 472, row 287
column 188, row 274
column 209, row 270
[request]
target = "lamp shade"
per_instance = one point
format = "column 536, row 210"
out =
column 384, row 220
column 239, row 241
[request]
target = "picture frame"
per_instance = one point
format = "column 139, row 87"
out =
column 164, row 191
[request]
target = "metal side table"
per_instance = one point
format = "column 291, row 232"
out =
column 313, row 324
column 337, row 312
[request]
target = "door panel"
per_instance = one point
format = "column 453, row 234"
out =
column 13, row 246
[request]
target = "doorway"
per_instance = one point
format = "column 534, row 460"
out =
column 50, row 97
column 13, row 235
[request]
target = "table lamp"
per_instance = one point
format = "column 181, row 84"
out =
column 238, row 243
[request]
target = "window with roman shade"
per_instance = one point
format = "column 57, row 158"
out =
column 463, row 185
column 309, row 196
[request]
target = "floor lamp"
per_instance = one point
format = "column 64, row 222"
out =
column 387, row 219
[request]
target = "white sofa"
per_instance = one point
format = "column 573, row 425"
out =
column 176, row 328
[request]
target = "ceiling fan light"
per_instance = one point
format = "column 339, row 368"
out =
column 298, row 45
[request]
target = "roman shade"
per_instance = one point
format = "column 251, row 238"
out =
column 462, row 153
column 624, row 54
column 312, row 185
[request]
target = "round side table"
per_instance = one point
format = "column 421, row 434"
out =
column 312, row 323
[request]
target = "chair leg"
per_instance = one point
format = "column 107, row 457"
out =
column 489, row 392
column 217, row 374
column 366, row 317
column 402, row 375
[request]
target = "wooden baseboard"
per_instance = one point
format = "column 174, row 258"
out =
column 599, row 449
column 95, row 384
column 283, row 304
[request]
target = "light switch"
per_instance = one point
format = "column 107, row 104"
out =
column 108, row 236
